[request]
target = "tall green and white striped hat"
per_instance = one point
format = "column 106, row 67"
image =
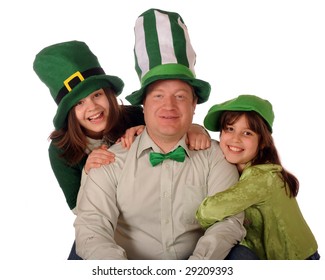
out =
column 163, row 51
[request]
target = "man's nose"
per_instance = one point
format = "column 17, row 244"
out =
column 170, row 102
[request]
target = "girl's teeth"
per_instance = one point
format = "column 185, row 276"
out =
column 94, row 117
column 234, row 149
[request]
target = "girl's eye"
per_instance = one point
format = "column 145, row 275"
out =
column 80, row 103
column 97, row 94
column 247, row 133
column 229, row 128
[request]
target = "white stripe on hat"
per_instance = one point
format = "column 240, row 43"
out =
column 140, row 47
column 165, row 38
column 190, row 53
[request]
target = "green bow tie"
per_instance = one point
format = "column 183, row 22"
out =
column 178, row 155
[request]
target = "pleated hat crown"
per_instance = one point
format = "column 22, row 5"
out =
column 163, row 51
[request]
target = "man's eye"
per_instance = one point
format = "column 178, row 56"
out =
column 180, row 97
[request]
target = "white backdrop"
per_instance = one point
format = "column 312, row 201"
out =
column 274, row 49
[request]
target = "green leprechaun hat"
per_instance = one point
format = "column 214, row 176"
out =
column 71, row 72
column 163, row 51
column 242, row 103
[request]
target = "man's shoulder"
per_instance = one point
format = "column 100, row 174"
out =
column 214, row 147
column 215, row 144
column 211, row 154
column 121, row 153
column 114, row 167
column 117, row 148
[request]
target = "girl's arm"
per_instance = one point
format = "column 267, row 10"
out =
column 252, row 190
column 67, row 176
column 198, row 138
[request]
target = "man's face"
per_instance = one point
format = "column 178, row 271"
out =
column 168, row 109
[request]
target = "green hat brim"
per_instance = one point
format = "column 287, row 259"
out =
column 202, row 88
column 82, row 90
column 241, row 103
column 171, row 71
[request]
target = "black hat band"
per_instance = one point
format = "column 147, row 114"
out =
column 75, row 79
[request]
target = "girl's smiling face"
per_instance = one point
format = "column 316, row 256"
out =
column 239, row 143
column 92, row 113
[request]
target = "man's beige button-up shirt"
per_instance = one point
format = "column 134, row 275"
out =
column 131, row 210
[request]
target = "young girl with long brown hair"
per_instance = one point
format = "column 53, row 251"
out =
column 266, row 191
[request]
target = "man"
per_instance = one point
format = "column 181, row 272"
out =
column 143, row 205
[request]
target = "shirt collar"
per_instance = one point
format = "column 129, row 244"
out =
column 146, row 143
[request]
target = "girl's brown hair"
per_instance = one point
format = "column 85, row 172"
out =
column 72, row 138
column 267, row 152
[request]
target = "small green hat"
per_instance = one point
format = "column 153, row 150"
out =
column 71, row 72
column 241, row 103
column 163, row 51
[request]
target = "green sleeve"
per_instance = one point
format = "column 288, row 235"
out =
column 68, row 177
column 248, row 191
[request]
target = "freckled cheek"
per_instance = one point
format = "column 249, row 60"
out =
column 254, row 147
column 79, row 115
column 223, row 139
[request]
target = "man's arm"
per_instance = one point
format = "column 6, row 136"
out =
column 97, row 217
column 221, row 237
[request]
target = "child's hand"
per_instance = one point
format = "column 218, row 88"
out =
column 98, row 157
column 129, row 136
column 198, row 138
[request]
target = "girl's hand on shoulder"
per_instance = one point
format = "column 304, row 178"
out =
column 99, row 157
column 198, row 138
column 128, row 138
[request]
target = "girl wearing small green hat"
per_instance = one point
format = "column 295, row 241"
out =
column 88, row 118
column 276, row 228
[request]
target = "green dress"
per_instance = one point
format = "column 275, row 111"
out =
column 276, row 228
